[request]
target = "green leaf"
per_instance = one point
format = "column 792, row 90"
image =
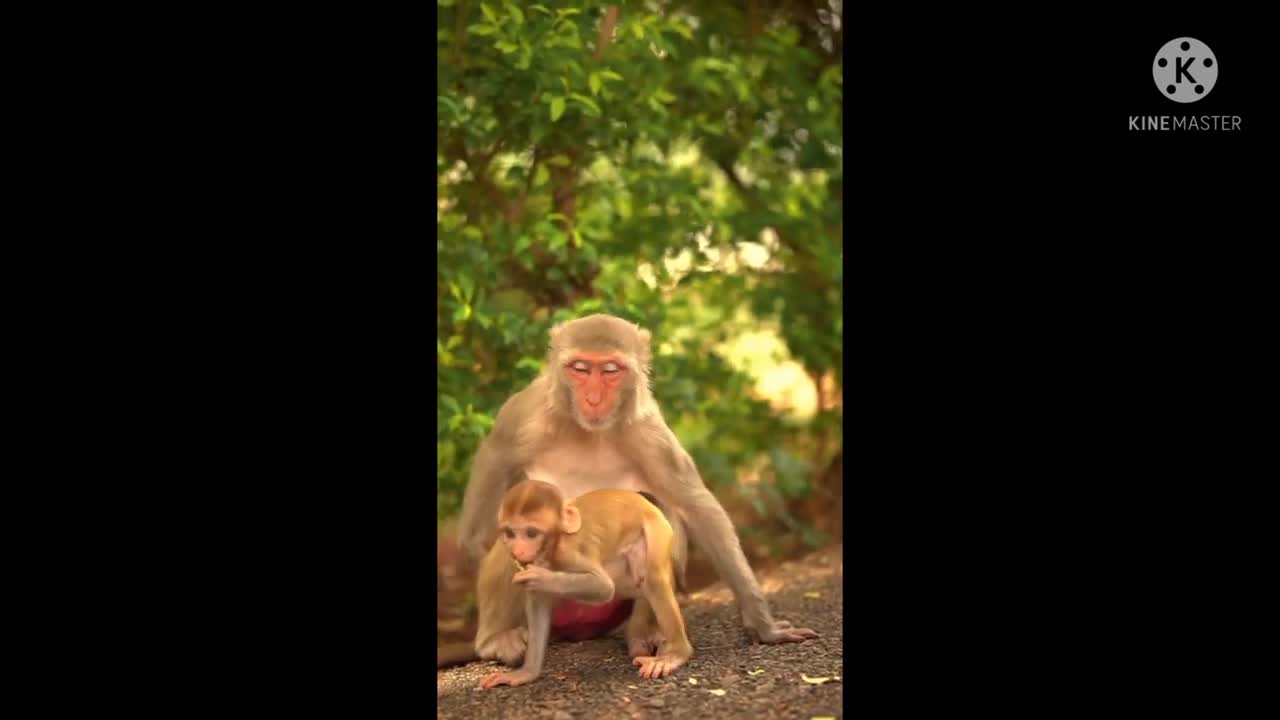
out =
column 663, row 96
column 540, row 8
column 515, row 13
column 449, row 103
column 489, row 14
column 566, row 12
column 559, row 161
column 482, row 29
column 609, row 75
column 557, row 108
column 461, row 314
column 638, row 30
column 506, row 46
column 588, row 103
column 594, row 82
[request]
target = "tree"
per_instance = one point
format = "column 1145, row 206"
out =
column 675, row 163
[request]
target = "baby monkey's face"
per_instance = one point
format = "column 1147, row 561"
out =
column 527, row 537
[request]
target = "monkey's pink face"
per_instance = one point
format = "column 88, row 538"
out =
column 597, row 383
column 526, row 537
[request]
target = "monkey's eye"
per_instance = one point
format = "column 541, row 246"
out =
column 611, row 368
column 579, row 367
column 531, row 533
column 509, row 533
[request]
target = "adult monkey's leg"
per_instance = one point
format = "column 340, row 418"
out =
column 501, row 633
column 679, row 485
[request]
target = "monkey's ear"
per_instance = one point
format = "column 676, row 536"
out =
column 570, row 518
column 644, row 355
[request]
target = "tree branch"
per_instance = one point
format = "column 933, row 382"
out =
column 606, row 31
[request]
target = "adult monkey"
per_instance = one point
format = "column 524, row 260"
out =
column 589, row 421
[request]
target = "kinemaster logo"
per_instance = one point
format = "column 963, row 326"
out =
column 1185, row 71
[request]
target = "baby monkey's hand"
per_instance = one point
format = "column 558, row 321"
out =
column 534, row 577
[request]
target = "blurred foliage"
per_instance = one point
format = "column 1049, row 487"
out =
column 684, row 173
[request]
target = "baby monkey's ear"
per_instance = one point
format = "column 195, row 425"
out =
column 570, row 518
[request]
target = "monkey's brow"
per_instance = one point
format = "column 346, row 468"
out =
column 616, row 360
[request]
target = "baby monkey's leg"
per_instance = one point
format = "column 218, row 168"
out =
column 642, row 632
column 659, row 594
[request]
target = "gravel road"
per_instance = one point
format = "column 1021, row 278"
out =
column 728, row 676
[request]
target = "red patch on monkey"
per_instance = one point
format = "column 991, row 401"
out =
column 572, row 620
column 596, row 377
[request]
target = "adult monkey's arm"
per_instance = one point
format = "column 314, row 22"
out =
column 675, row 476
column 492, row 470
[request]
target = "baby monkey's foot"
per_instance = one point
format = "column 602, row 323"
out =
column 644, row 643
column 513, row 678
column 652, row 667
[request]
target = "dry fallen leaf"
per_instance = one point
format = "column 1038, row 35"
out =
column 823, row 717
column 633, row 687
column 717, row 693
column 813, row 594
column 753, row 673
column 814, row 681
column 693, row 681
column 626, row 699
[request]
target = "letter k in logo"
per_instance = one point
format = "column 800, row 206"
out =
column 1182, row 69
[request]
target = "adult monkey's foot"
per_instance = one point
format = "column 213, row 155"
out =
column 781, row 631
column 507, row 646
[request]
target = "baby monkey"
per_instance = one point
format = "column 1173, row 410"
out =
column 588, row 549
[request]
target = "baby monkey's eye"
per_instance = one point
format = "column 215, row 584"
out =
column 509, row 533
column 611, row 368
column 531, row 533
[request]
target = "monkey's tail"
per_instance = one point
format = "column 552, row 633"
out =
column 455, row 653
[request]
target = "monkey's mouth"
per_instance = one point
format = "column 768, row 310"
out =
column 519, row 566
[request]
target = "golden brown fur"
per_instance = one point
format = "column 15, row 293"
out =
column 603, row 544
